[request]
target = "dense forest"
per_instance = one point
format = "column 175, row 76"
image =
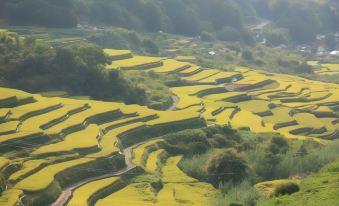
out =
column 223, row 18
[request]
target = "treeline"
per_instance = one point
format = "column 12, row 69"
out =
column 222, row 18
column 35, row 66
column 186, row 17
column 303, row 19
column 48, row 13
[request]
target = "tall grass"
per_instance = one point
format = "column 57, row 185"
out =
column 268, row 166
column 237, row 194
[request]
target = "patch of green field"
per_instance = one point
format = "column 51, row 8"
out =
column 317, row 189
column 267, row 188
column 54, row 94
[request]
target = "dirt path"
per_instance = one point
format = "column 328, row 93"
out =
column 175, row 102
column 66, row 194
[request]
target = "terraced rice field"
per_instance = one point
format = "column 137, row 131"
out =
column 55, row 142
column 328, row 69
column 66, row 136
column 268, row 100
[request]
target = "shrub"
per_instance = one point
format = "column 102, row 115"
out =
column 286, row 189
column 243, row 194
column 225, row 166
column 150, row 46
column 247, row 55
column 206, row 36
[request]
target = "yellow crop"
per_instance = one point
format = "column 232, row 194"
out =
column 219, row 76
column 192, row 90
column 26, row 168
column 84, row 139
column 9, row 127
column 170, row 65
column 44, row 177
column 3, row 162
column 10, row 197
column 82, row 194
column 114, row 52
column 201, row 75
column 133, row 63
column 153, row 157
column 139, row 151
column 134, row 194
column 171, row 172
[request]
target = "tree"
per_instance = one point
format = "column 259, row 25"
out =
column 48, row 13
column 225, row 166
column 150, row 46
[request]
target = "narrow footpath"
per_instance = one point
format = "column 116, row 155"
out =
column 66, row 194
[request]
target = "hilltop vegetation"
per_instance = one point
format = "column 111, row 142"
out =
column 287, row 126
column 37, row 67
column 185, row 17
column 180, row 107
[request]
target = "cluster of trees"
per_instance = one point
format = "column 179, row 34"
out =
column 223, row 18
column 37, row 67
column 48, row 13
column 187, row 17
column 303, row 19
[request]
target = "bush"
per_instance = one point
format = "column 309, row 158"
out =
column 286, row 189
column 243, row 194
column 247, row 55
column 225, row 166
column 150, row 46
column 206, row 36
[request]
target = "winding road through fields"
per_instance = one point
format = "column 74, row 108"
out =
column 66, row 194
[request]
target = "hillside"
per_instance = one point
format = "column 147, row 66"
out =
column 53, row 144
column 186, row 17
column 169, row 102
